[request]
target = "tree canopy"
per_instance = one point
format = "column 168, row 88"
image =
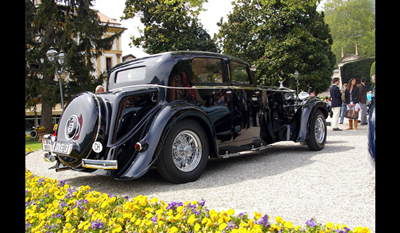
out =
column 69, row 26
column 169, row 25
column 351, row 21
column 280, row 37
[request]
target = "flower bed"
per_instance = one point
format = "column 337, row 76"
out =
column 54, row 206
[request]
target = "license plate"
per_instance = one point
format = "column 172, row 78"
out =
column 47, row 145
column 63, row 148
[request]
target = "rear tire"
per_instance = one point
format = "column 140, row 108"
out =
column 317, row 137
column 185, row 153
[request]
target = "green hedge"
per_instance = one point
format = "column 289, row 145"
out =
column 358, row 69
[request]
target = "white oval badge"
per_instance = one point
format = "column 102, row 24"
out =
column 97, row 147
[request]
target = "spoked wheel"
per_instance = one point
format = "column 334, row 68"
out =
column 317, row 138
column 185, row 153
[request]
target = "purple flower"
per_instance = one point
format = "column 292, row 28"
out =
column 346, row 229
column 230, row 225
column 126, row 197
column 40, row 180
column 62, row 205
column 174, row 205
column 202, row 202
column 97, row 224
column 171, row 205
column 61, row 183
column 311, row 223
column 154, row 219
column 263, row 220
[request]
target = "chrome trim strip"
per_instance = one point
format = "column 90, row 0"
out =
column 100, row 164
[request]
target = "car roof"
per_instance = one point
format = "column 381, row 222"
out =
column 159, row 66
column 177, row 55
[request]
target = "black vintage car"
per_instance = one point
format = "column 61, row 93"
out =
column 175, row 110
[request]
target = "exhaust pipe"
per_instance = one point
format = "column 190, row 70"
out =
column 48, row 157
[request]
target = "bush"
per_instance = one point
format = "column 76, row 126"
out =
column 54, row 206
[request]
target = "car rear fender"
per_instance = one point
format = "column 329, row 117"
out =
column 170, row 114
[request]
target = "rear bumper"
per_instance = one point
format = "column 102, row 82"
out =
column 100, row 164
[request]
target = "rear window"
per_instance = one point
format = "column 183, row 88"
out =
column 129, row 75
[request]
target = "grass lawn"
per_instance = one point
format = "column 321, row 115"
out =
column 33, row 143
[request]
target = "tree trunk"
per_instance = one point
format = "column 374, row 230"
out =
column 46, row 120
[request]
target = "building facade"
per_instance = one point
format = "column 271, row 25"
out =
column 113, row 56
column 102, row 64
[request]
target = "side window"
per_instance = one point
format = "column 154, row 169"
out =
column 239, row 74
column 207, row 70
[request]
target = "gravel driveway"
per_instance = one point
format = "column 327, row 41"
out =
column 333, row 185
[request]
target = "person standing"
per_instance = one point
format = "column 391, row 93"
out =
column 336, row 103
column 344, row 105
column 362, row 100
column 373, row 90
column 351, row 96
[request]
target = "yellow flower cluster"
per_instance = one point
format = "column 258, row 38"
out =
column 54, row 206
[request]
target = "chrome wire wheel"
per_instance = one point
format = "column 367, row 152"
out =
column 320, row 130
column 186, row 151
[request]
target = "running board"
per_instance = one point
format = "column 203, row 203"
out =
column 246, row 152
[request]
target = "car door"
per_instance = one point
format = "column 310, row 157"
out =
column 209, row 81
column 245, row 109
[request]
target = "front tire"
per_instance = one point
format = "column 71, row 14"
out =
column 317, row 137
column 185, row 153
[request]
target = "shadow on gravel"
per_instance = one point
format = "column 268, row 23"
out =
column 280, row 158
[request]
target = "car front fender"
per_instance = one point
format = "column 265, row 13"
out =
column 309, row 107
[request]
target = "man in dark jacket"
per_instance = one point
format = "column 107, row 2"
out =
column 362, row 100
column 336, row 103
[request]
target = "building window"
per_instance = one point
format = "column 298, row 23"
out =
column 108, row 63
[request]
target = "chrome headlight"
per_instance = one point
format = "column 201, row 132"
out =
column 303, row 95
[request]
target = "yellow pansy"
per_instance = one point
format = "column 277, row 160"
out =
column 278, row 219
column 288, row 225
column 231, row 212
column 191, row 219
column 173, row 229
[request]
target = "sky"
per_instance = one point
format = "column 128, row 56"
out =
column 114, row 9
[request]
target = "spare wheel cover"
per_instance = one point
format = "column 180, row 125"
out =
column 79, row 125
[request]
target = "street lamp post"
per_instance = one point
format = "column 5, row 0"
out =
column 55, row 57
column 296, row 75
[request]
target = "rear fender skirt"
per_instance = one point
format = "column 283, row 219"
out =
column 307, row 109
column 163, row 122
